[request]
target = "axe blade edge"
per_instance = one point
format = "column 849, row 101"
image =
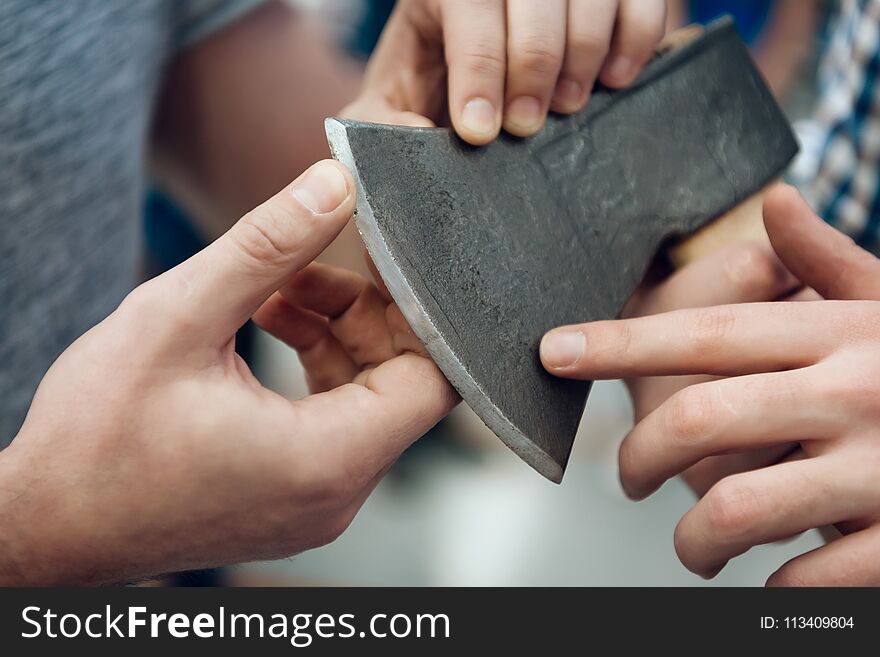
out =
column 420, row 321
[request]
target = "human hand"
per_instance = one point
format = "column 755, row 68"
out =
column 806, row 372
column 740, row 273
column 150, row 446
column 487, row 64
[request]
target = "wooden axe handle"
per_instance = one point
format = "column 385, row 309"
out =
column 743, row 223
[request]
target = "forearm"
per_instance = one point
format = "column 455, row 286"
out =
column 57, row 529
column 242, row 113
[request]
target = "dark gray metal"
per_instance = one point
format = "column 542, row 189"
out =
column 485, row 249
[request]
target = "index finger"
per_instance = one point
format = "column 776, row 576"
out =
column 722, row 340
column 475, row 39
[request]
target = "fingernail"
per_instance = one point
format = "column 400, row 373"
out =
column 568, row 95
column 479, row 117
column 562, row 349
column 621, row 69
column 322, row 188
column 524, row 115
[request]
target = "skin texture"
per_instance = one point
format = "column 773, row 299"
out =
column 151, row 447
column 215, row 139
column 746, row 272
column 508, row 62
column 233, row 125
column 791, row 373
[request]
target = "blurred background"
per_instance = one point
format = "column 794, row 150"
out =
column 459, row 508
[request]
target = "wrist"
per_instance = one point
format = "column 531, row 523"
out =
column 38, row 542
column 13, row 548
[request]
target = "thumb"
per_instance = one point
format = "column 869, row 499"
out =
column 224, row 284
column 820, row 256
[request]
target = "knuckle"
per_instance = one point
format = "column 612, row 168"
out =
column 141, row 301
column 264, row 237
column 537, row 54
column 840, row 389
column 148, row 313
column 732, row 509
column 643, row 33
column 709, row 328
column 588, row 46
column 691, row 416
column 483, row 62
column 755, row 272
column 321, row 490
column 853, row 384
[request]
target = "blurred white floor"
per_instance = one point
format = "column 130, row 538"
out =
column 490, row 520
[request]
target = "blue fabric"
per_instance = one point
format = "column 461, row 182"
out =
column 367, row 35
column 750, row 15
column 169, row 235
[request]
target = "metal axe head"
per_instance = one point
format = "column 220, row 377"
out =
column 484, row 249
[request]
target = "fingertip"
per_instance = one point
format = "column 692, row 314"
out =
column 640, row 494
column 347, row 176
column 632, row 491
column 618, row 72
column 783, row 211
column 403, row 337
column 640, row 26
column 326, row 187
column 781, row 196
column 711, row 573
column 524, row 116
column 628, row 491
column 414, row 120
column 561, row 350
column 479, row 121
column 478, row 140
column 265, row 315
column 379, row 110
column 569, row 97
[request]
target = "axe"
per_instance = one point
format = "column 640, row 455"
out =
column 485, row 249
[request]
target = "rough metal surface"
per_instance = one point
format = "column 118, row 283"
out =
column 487, row 248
